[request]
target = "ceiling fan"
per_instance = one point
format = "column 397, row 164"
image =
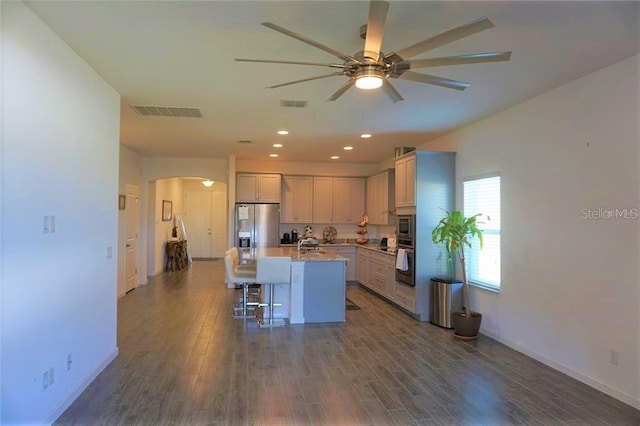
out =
column 371, row 69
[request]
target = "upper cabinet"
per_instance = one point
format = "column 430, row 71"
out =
column 323, row 199
column 348, row 199
column 406, row 181
column 381, row 198
column 297, row 199
column 338, row 200
column 258, row 188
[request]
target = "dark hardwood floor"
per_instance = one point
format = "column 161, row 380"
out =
column 184, row 360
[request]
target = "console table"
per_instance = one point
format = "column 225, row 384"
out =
column 177, row 258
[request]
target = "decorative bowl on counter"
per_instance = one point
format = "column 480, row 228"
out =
column 362, row 240
column 329, row 234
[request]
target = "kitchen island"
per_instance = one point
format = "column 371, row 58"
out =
column 318, row 285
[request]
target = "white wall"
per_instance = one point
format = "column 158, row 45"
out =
column 306, row 168
column 159, row 168
column 60, row 157
column 570, row 286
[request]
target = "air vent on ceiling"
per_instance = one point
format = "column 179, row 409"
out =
column 244, row 141
column 166, row 111
column 285, row 103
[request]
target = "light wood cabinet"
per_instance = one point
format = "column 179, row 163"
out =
column 348, row 199
column 258, row 188
column 362, row 272
column 349, row 253
column 377, row 271
column 381, row 198
column 323, row 200
column 405, row 181
column 297, row 199
column 338, row 200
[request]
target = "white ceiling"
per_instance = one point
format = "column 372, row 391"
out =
column 182, row 53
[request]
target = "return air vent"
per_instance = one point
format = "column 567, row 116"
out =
column 166, row 111
column 285, row 103
column 245, row 141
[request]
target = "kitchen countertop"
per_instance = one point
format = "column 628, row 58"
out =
column 372, row 247
column 295, row 255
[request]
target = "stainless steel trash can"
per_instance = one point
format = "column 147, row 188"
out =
column 446, row 297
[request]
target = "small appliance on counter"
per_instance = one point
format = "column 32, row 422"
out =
column 308, row 244
column 391, row 244
column 383, row 242
column 294, row 236
column 286, row 239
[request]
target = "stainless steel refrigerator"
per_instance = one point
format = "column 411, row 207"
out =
column 257, row 225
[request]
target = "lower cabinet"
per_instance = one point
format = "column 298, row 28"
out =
column 377, row 271
column 349, row 253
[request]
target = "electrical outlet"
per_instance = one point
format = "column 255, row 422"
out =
column 45, row 225
column 614, row 357
column 45, row 380
column 69, row 362
column 51, row 376
column 52, row 224
column 109, row 252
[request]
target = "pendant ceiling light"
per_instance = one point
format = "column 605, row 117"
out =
column 208, row 183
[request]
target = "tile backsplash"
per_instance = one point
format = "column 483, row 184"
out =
column 344, row 230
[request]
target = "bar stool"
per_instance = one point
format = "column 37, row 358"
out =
column 243, row 279
column 273, row 271
column 233, row 252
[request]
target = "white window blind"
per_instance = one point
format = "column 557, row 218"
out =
column 482, row 195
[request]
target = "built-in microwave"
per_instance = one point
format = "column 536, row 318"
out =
column 406, row 227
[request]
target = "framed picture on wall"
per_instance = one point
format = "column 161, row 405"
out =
column 122, row 202
column 166, row 210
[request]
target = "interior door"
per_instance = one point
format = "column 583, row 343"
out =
column 219, row 224
column 133, row 219
column 197, row 219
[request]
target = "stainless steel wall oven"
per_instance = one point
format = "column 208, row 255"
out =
column 407, row 277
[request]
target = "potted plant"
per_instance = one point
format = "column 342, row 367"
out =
column 455, row 232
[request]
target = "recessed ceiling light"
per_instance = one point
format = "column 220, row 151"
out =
column 348, row 148
column 365, row 136
column 334, row 157
column 273, row 155
column 277, row 145
column 283, row 132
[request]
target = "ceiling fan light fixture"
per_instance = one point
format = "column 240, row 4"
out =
column 208, row 183
column 369, row 78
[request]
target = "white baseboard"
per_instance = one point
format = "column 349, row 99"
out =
column 596, row 384
column 78, row 389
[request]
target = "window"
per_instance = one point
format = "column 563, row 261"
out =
column 482, row 195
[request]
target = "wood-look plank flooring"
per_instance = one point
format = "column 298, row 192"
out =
column 184, row 360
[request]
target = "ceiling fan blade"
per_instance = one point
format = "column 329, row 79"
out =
column 391, row 91
column 375, row 28
column 443, row 38
column 474, row 58
column 432, row 79
column 313, row 43
column 267, row 61
column 346, row 86
column 306, row 79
